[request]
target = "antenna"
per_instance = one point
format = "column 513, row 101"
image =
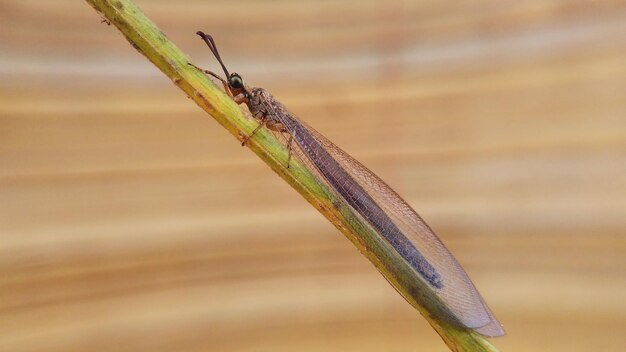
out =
column 211, row 43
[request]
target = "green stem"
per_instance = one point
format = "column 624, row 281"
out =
column 154, row 45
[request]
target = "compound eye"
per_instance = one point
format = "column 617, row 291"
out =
column 235, row 81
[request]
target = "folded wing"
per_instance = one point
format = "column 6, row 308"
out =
column 457, row 292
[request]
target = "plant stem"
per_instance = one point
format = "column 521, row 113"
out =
column 144, row 36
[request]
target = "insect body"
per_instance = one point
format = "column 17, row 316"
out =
column 373, row 200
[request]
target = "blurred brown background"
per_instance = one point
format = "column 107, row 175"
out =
column 130, row 221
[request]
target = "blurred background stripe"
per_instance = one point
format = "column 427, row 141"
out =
column 129, row 220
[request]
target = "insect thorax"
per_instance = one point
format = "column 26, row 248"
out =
column 259, row 102
column 263, row 106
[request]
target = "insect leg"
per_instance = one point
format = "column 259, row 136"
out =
column 289, row 149
column 240, row 98
column 214, row 75
column 247, row 138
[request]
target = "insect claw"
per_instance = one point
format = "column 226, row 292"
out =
column 194, row 66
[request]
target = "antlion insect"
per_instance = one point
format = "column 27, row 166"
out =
column 390, row 216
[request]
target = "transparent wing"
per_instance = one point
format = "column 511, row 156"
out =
column 458, row 292
column 391, row 215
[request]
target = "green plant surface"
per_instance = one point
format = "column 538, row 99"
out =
column 146, row 38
